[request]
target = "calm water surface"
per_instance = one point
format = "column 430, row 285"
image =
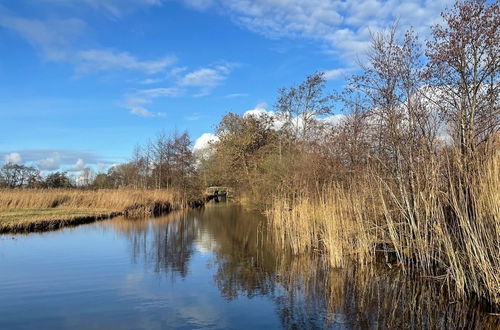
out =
column 212, row 269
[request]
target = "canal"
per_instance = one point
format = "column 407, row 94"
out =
column 213, row 268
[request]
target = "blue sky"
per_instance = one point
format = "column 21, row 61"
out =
column 83, row 81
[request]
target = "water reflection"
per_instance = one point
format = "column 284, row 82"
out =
column 305, row 293
column 165, row 244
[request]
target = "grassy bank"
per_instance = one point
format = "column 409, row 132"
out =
column 26, row 210
column 434, row 230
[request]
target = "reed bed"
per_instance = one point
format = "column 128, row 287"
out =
column 432, row 228
column 45, row 209
column 338, row 223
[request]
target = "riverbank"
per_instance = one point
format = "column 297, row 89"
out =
column 34, row 210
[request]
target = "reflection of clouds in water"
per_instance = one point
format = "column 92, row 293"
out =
column 205, row 243
column 131, row 282
column 180, row 307
column 134, row 287
column 203, row 315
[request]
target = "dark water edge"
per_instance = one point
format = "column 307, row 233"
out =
column 213, row 269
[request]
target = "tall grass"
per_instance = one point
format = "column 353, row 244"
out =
column 434, row 225
column 26, row 210
column 110, row 199
column 339, row 222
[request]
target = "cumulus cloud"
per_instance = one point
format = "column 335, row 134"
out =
column 56, row 159
column 334, row 119
column 258, row 110
column 13, row 158
column 334, row 74
column 78, row 165
column 342, row 25
column 50, row 163
column 261, row 109
column 204, row 141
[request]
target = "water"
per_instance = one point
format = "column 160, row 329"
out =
column 213, row 269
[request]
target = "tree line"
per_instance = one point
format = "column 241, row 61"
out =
column 163, row 163
column 414, row 105
column 22, row 176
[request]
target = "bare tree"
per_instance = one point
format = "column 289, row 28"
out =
column 464, row 70
column 300, row 106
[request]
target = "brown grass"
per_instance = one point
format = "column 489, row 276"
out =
column 435, row 229
column 45, row 209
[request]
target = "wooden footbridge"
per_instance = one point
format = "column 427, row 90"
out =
column 218, row 193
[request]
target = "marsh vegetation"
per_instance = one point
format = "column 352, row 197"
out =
column 25, row 210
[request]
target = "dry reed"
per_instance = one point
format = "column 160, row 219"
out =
column 44, row 209
column 431, row 227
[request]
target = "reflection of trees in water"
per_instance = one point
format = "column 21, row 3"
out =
column 315, row 298
column 306, row 293
column 244, row 263
column 310, row 295
column 166, row 243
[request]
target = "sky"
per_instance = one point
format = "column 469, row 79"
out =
column 84, row 81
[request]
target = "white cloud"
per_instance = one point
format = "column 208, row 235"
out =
column 334, row 74
column 204, row 140
column 102, row 60
column 202, row 77
column 199, row 83
column 13, row 158
column 160, row 92
column 342, row 25
column 78, row 165
column 150, row 81
column 333, row 119
column 54, row 159
column 117, row 7
column 114, row 8
column 143, row 112
column 235, row 95
column 50, row 163
column 136, row 102
column 53, row 38
column 102, row 167
column 206, row 77
column 199, row 4
column 136, row 106
column 56, row 40
column 259, row 110
column 204, row 80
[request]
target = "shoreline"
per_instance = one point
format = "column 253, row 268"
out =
column 40, row 226
column 26, row 211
